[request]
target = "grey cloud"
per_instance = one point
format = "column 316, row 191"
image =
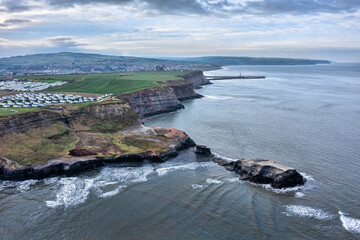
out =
column 206, row 7
column 16, row 21
column 165, row 7
column 64, row 42
column 14, row 6
column 270, row 7
column 9, row 22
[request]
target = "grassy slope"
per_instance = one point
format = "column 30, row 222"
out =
column 102, row 83
column 12, row 111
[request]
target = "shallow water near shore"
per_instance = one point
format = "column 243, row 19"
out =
column 307, row 117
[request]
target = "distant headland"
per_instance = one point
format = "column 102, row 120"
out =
column 74, row 63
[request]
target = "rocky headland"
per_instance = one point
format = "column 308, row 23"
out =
column 72, row 139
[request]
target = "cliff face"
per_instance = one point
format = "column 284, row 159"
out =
column 153, row 101
column 196, row 78
column 36, row 137
column 120, row 114
column 47, row 143
column 23, row 122
column 167, row 98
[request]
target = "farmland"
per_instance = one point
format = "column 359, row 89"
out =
column 103, row 83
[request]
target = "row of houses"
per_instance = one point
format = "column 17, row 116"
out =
column 27, row 86
column 45, row 99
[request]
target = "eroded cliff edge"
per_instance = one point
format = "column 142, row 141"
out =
column 166, row 98
column 64, row 142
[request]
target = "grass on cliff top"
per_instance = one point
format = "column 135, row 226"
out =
column 13, row 111
column 103, row 83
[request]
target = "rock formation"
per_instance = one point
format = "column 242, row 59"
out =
column 259, row 170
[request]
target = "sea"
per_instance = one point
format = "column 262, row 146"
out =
column 306, row 117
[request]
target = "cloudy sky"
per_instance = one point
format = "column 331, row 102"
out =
column 322, row 29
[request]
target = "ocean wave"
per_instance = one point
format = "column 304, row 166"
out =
column 223, row 157
column 307, row 212
column 350, row 224
column 236, row 179
column 125, row 175
column 198, row 186
column 25, row 185
column 73, row 192
column 299, row 195
column 213, row 181
column 213, row 97
column 308, row 177
column 189, row 166
column 49, row 181
column 113, row 192
column 20, row 186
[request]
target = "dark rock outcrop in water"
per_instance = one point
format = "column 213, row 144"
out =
column 259, row 170
column 267, row 172
column 166, row 98
column 203, row 150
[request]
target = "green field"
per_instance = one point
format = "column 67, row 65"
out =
column 12, row 111
column 102, row 83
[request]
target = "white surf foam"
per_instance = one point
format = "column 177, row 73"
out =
column 49, row 181
column 213, row 181
column 223, row 157
column 189, row 166
column 125, row 175
column 350, row 224
column 25, row 185
column 113, row 192
column 213, row 97
column 299, row 195
column 307, row 212
column 198, row 186
column 73, row 191
column 236, row 179
column 308, row 177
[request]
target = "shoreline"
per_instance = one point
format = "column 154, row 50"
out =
column 279, row 176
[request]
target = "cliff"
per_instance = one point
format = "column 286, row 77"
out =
column 166, row 98
column 153, row 101
column 79, row 138
column 196, row 78
column 90, row 117
column 165, row 143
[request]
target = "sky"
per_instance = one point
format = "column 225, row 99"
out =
column 315, row 29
